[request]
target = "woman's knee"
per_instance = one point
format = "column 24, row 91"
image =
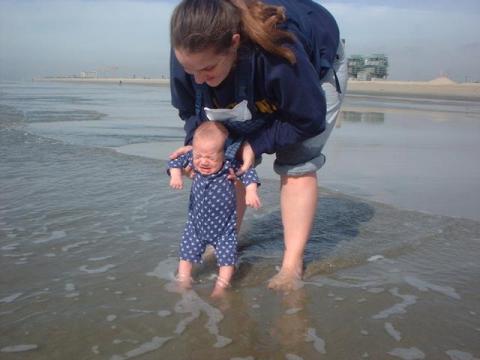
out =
column 299, row 180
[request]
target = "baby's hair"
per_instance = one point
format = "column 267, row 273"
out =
column 211, row 130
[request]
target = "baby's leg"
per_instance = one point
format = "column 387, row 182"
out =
column 184, row 274
column 223, row 281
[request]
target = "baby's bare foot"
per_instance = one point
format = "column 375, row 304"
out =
column 183, row 282
column 218, row 293
column 220, row 288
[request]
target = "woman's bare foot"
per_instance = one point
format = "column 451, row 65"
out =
column 286, row 280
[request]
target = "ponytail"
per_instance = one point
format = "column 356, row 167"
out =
column 260, row 22
column 197, row 25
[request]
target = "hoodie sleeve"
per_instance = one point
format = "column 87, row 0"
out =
column 298, row 96
column 180, row 162
column 183, row 97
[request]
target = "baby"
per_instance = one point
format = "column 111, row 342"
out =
column 212, row 211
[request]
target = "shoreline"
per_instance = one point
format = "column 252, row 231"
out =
column 438, row 90
column 115, row 81
column 415, row 89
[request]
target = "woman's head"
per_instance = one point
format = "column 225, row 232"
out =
column 205, row 35
column 199, row 25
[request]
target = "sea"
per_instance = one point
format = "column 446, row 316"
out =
column 89, row 235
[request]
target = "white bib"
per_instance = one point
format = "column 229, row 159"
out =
column 239, row 112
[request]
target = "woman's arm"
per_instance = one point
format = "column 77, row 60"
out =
column 299, row 99
column 183, row 97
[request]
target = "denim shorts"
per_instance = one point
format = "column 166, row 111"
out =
column 307, row 157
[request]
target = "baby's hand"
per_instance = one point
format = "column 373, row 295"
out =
column 176, row 179
column 251, row 196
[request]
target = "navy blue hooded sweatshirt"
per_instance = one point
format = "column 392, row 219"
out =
column 288, row 97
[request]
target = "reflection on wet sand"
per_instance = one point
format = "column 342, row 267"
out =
column 355, row 116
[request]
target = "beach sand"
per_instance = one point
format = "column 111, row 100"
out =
column 116, row 81
column 440, row 88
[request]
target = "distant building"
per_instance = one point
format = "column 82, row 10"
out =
column 367, row 68
column 355, row 65
column 88, row 74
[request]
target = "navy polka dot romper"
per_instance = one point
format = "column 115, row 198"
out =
column 212, row 213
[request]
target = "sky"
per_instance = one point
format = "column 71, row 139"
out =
column 423, row 39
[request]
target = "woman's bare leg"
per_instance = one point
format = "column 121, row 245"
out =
column 298, row 200
column 241, row 206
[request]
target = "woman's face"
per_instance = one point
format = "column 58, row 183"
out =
column 207, row 66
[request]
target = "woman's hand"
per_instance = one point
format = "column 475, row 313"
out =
column 180, row 151
column 247, row 156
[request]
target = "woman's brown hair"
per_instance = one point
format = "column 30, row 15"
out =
column 197, row 25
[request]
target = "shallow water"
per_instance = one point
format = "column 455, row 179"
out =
column 88, row 243
column 418, row 154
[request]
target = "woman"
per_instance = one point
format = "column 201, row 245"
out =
column 284, row 60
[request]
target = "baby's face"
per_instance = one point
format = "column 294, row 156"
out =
column 207, row 156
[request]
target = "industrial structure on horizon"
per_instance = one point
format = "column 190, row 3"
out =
column 367, row 68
